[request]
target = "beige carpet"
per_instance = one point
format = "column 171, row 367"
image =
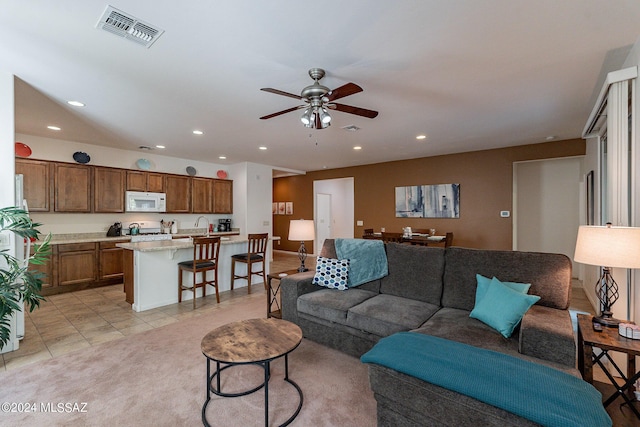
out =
column 157, row 378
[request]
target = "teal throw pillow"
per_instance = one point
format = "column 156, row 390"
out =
column 332, row 273
column 502, row 308
column 483, row 285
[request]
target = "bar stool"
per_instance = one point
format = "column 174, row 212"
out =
column 256, row 255
column 205, row 258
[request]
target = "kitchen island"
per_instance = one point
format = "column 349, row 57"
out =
column 151, row 270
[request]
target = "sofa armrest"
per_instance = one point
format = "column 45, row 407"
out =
column 291, row 287
column 547, row 333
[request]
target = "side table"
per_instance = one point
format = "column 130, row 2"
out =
column 250, row 342
column 607, row 340
column 272, row 294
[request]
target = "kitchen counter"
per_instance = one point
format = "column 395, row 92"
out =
column 151, row 269
column 186, row 242
column 61, row 239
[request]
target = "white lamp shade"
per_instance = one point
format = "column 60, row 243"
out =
column 301, row 230
column 608, row 246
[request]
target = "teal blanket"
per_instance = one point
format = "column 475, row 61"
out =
column 367, row 259
column 536, row 392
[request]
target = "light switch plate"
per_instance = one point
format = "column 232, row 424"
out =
column 505, row 214
column 359, row 223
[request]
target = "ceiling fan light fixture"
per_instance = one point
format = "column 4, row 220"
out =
column 325, row 118
column 306, row 117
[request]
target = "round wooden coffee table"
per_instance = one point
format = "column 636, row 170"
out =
column 253, row 341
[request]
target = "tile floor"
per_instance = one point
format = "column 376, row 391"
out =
column 75, row 320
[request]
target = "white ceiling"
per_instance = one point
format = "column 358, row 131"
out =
column 470, row 74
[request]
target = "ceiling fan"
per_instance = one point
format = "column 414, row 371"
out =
column 318, row 99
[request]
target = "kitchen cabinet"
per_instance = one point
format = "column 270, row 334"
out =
column 222, row 196
column 201, row 195
column 145, row 181
column 108, row 189
column 36, row 183
column 46, row 270
column 72, row 187
column 110, row 260
column 76, row 263
column 178, row 192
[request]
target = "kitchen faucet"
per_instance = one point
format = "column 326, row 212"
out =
column 206, row 229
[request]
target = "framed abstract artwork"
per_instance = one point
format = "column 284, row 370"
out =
column 428, row 201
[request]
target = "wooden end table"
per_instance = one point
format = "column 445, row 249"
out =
column 253, row 341
column 272, row 294
column 607, row 340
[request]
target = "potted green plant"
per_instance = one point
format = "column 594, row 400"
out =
column 17, row 283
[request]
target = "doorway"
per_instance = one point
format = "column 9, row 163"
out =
column 334, row 200
column 546, row 205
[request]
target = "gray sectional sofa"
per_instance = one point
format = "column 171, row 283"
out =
column 432, row 291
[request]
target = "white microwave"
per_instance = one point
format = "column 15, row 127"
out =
column 138, row 201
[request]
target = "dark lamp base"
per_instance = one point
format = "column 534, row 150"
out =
column 302, row 269
column 609, row 322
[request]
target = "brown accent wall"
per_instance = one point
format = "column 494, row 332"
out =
column 486, row 188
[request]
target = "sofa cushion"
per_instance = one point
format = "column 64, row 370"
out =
column 329, row 251
column 384, row 315
column 549, row 275
column 456, row 325
column 502, row 308
column 332, row 273
column 415, row 272
column 331, row 304
column 484, row 282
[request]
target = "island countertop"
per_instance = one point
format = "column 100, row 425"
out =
column 163, row 245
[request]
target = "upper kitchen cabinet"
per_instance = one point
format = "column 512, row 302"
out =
column 178, row 192
column 201, row 195
column 36, row 185
column 222, row 196
column 72, row 187
column 108, row 189
column 145, row 181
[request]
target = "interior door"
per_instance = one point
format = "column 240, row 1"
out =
column 323, row 220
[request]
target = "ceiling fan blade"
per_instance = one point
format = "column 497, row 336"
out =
column 280, row 92
column 344, row 90
column 288, row 110
column 354, row 110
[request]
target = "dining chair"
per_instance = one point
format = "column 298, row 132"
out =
column 368, row 233
column 388, row 236
column 205, row 258
column 256, row 254
column 448, row 239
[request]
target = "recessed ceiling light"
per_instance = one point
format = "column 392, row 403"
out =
column 160, row 146
column 198, row 132
column 262, row 147
column 222, row 157
column 421, row 137
column 76, row 103
column 357, row 147
column 53, row 127
column 550, row 138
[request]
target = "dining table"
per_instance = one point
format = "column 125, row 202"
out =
column 414, row 239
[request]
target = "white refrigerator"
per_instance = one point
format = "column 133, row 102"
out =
column 17, row 248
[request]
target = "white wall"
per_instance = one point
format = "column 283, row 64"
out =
column 7, row 140
column 342, row 204
column 548, row 205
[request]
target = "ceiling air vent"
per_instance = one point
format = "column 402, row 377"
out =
column 351, row 128
column 131, row 28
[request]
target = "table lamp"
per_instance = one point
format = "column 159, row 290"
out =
column 301, row 230
column 608, row 247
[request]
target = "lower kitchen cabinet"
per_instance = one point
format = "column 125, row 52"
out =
column 110, row 261
column 76, row 263
column 76, row 266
